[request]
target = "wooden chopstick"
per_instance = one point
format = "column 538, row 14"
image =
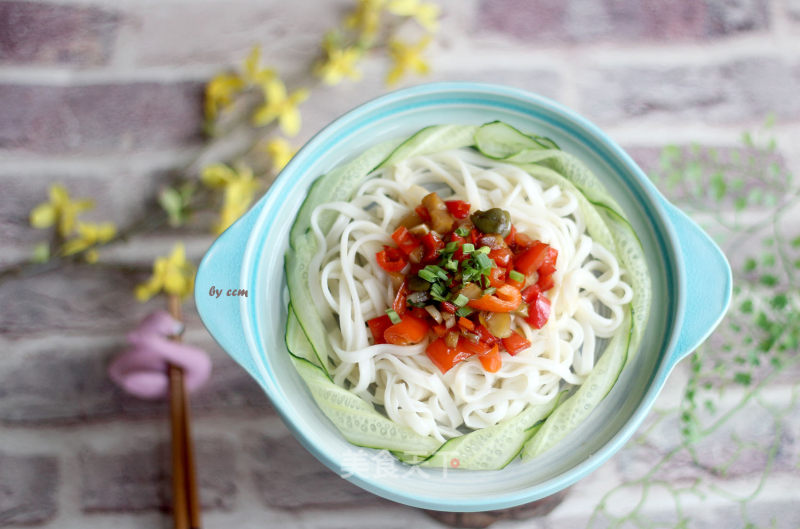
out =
column 180, row 500
column 185, row 498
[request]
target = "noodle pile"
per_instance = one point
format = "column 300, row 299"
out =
column 349, row 288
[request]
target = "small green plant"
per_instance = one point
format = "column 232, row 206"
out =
column 747, row 200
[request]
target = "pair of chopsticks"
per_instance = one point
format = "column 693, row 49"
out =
column 185, row 500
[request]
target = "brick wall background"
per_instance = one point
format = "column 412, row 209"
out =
column 104, row 95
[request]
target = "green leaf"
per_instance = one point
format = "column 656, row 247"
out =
column 669, row 155
column 796, row 242
column 171, row 201
column 779, row 301
column 742, row 378
column 718, row 186
column 747, row 306
column 749, row 264
column 740, row 203
column 755, row 196
column 41, row 253
column 769, row 280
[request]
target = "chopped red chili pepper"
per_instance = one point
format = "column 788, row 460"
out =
column 538, row 311
column 423, row 213
column 377, row 326
column 458, row 208
column 433, row 244
column 515, row 343
column 405, row 240
column 391, row 259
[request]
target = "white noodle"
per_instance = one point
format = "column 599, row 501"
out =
column 349, row 288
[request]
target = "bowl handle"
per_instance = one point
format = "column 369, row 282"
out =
column 708, row 283
column 221, row 269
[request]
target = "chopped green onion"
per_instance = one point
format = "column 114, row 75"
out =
column 516, row 276
column 438, row 292
column 468, row 248
column 451, row 247
column 483, row 261
column 483, row 249
column 393, row 316
column 489, row 291
column 451, row 265
column 463, row 312
column 437, row 271
column 427, row 275
column 460, row 300
column 462, row 231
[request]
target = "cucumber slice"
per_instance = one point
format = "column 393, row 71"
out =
column 501, row 141
column 493, row 447
column 631, row 255
column 339, row 184
column 297, row 342
column 296, row 268
column 431, row 140
column 357, row 420
column 577, row 408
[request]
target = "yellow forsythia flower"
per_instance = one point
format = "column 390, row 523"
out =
column 172, row 274
column 280, row 151
column 425, row 13
column 254, row 73
column 366, row 17
column 60, row 210
column 407, row 57
column 220, row 92
column 338, row 64
column 239, row 188
column 281, row 106
column 89, row 235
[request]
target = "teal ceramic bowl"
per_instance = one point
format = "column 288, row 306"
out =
column 691, row 286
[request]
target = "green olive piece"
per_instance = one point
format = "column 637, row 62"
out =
column 494, row 220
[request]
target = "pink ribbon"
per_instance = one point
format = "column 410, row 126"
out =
column 142, row 369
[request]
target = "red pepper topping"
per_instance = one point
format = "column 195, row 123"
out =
column 515, row 343
column 377, row 326
column 405, row 240
column 458, row 208
column 538, row 311
column 391, row 259
column 433, row 244
column 447, row 282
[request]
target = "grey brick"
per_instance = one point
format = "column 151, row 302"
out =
column 289, row 477
column 66, row 382
column 542, row 81
column 613, row 20
column 140, row 479
column 72, row 299
column 99, row 118
column 28, row 488
column 741, row 90
column 738, row 448
column 793, row 8
column 43, row 33
column 122, row 197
